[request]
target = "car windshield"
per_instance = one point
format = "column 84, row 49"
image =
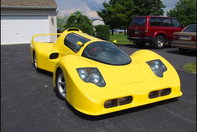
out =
column 106, row 52
column 191, row 28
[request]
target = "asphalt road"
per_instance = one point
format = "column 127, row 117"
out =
column 29, row 103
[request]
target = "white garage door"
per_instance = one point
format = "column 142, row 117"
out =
column 19, row 29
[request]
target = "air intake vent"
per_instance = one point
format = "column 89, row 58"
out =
column 158, row 93
column 118, row 102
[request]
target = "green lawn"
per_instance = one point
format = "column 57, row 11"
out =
column 120, row 38
column 191, row 67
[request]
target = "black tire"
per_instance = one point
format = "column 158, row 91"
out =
column 159, row 42
column 60, row 83
column 140, row 44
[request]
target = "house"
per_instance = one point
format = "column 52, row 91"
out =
column 20, row 19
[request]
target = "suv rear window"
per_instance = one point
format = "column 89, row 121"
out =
column 138, row 21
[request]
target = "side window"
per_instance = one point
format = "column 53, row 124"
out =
column 72, row 39
column 176, row 23
column 191, row 28
column 155, row 21
column 166, row 22
column 138, row 21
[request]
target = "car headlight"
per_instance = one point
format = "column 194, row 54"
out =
column 157, row 67
column 91, row 75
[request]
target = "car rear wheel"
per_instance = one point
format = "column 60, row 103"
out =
column 35, row 61
column 159, row 42
column 60, row 85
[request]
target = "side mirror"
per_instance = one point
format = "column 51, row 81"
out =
column 115, row 41
column 79, row 43
column 53, row 55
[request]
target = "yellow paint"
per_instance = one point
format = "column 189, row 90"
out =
column 135, row 79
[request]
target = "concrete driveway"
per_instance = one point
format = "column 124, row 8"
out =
column 29, row 103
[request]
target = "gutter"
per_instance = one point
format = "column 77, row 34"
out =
column 28, row 7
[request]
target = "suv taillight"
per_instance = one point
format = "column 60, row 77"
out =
column 193, row 38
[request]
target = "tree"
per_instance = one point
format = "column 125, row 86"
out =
column 118, row 13
column 108, row 15
column 102, row 32
column 80, row 21
column 124, row 13
column 61, row 21
column 185, row 11
column 148, row 7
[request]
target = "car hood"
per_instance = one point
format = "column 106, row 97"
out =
column 122, row 75
column 114, row 75
column 185, row 33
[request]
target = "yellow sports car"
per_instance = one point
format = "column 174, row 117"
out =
column 96, row 77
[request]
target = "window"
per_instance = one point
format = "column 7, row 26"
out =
column 155, row 21
column 176, row 23
column 138, row 21
column 166, row 22
column 72, row 39
column 106, row 52
column 191, row 28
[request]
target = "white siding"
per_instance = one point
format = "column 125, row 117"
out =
column 16, row 29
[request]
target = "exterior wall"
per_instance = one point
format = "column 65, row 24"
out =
column 53, row 27
column 51, row 13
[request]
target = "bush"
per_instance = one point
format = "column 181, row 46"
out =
column 102, row 32
column 86, row 28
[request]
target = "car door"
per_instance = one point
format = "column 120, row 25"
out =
column 171, row 25
column 167, row 27
column 71, row 40
column 66, row 45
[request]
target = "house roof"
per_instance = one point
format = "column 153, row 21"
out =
column 28, row 4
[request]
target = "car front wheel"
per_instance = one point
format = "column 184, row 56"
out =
column 60, row 85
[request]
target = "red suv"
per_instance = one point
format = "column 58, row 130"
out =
column 155, row 30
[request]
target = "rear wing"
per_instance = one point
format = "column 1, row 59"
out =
column 37, row 35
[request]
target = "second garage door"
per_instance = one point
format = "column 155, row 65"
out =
column 19, row 29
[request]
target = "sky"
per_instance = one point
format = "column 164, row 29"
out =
column 89, row 7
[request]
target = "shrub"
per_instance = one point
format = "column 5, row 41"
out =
column 102, row 32
column 86, row 28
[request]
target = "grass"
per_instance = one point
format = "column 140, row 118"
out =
column 120, row 38
column 190, row 67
